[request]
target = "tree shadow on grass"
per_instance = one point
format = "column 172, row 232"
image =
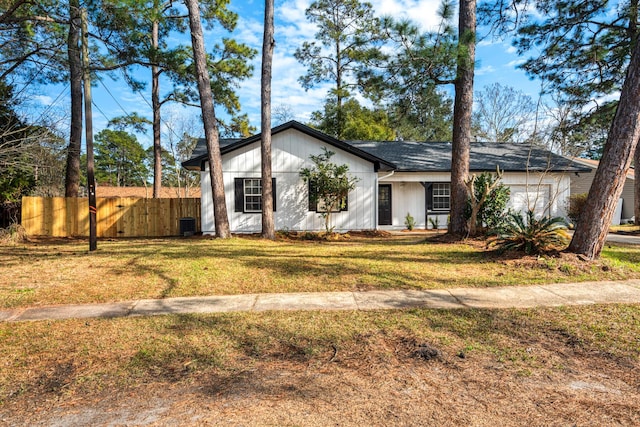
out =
column 295, row 262
column 518, row 337
column 250, row 355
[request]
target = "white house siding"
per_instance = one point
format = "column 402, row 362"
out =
column 547, row 193
column 581, row 183
column 408, row 196
column 291, row 150
column 628, row 196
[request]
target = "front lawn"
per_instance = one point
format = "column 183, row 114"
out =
column 62, row 271
column 545, row 366
column 565, row 365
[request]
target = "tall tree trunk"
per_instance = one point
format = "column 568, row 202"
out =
column 608, row 182
column 636, row 186
column 88, row 115
column 463, row 105
column 339, row 112
column 210, row 123
column 155, row 106
column 72, row 177
column 268, row 42
column 633, row 32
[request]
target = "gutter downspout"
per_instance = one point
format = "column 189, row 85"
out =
column 378, row 179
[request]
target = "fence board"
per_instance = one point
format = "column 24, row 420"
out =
column 116, row 217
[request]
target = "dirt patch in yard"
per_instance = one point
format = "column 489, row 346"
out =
column 567, row 263
column 416, row 393
column 376, row 379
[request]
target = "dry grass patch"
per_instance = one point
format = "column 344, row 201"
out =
column 62, row 271
column 625, row 229
column 574, row 365
column 15, row 233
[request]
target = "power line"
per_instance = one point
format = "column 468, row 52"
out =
column 93, row 102
column 39, row 70
column 151, row 106
column 143, row 98
column 114, row 98
column 55, row 101
column 125, row 111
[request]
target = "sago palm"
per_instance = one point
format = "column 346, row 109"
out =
column 534, row 236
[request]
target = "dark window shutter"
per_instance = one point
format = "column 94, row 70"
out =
column 428, row 195
column 239, row 194
column 313, row 206
column 273, row 193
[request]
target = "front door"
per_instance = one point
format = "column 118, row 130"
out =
column 384, row 204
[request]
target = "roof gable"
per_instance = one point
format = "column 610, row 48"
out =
column 200, row 157
column 407, row 156
column 593, row 164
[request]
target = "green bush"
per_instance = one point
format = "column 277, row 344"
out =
column 409, row 222
column 576, row 206
column 435, row 223
column 493, row 212
column 535, row 236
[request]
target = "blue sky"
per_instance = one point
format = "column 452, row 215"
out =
column 496, row 62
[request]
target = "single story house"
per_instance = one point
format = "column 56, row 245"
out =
column 395, row 178
column 581, row 183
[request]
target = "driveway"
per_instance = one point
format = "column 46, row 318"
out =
column 623, row 238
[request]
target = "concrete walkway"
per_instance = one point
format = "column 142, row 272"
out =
column 459, row 298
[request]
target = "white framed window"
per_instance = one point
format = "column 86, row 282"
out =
column 252, row 195
column 441, row 196
column 248, row 195
column 318, row 204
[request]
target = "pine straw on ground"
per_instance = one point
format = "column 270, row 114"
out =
column 557, row 366
column 564, row 262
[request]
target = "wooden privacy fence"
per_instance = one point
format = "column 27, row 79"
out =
column 116, row 217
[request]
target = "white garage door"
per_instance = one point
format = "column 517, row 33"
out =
column 534, row 197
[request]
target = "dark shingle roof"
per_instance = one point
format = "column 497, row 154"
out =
column 404, row 156
column 436, row 157
column 199, row 156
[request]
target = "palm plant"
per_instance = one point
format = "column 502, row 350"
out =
column 534, row 236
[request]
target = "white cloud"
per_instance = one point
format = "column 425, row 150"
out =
column 489, row 69
column 286, row 89
column 516, row 62
column 487, row 42
column 249, row 32
column 424, row 13
column 43, row 99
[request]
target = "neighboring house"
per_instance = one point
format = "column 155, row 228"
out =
column 581, row 183
column 394, row 178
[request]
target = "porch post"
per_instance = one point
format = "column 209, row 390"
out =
column 375, row 204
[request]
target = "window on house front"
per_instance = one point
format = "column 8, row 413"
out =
column 317, row 204
column 252, row 195
column 248, row 195
column 441, row 196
